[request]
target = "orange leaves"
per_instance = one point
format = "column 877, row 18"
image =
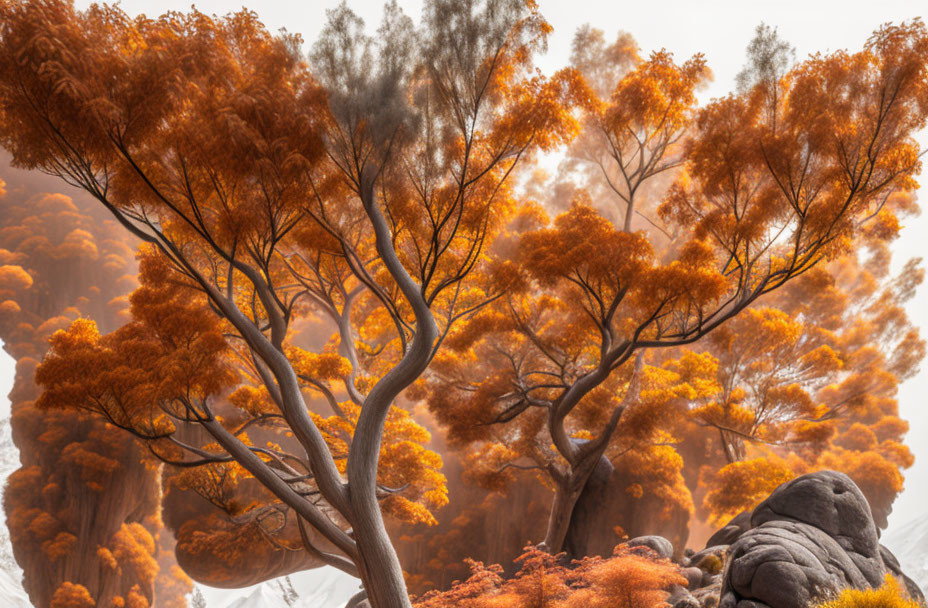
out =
column 807, row 174
column 583, row 246
column 740, row 486
column 540, row 110
column 14, row 278
column 655, row 99
column 134, row 547
column 630, row 578
column 129, row 374
column 60, row 546
column 489, row 466
column 70, row 595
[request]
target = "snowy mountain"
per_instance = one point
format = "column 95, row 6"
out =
column 11, row 592
column 320, row 588
column 11, row 589
column 910, row 544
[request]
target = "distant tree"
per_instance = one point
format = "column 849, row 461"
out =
column 548, row 378
column 286, row 589
column 196, row 599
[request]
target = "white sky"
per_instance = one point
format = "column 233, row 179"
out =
column 720, row 29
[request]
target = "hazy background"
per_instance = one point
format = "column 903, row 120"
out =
column 720, row 29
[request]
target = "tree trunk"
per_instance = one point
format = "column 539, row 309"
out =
column 566, row 496
column 380, row 568
column 588, row 510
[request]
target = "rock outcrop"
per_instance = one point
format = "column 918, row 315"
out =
column 812, row 537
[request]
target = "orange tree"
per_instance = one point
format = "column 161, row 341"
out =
column 809, row 381
column 361, row 187
column 769, row 186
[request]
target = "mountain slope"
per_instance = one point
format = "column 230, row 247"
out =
column 319, row 588
column 910, row 544
column 12, row 594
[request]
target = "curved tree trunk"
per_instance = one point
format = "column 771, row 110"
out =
column 380, row 568
column 587, row 511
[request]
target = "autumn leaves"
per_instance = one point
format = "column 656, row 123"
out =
column 324, row 234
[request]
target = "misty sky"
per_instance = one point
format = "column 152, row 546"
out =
column 720, row 29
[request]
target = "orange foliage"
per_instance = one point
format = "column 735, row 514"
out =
column 544, row 381
column 69, row 595
column 630, row 578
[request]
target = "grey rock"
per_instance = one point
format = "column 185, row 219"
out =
column 681, row 598
column 811, row 537
column 694, row 577
column 659, row 544
column 731, row 531
column 708, row 597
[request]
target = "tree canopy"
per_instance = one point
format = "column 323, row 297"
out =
column 340, row 256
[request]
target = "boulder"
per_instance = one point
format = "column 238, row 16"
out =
column 812, row 537
column 708, row 596
column 693, row 577
column 681, row 598
column 731, row 531
column 659, row 544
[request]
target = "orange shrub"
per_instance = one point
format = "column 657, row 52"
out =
column 630, row 578
column 890, row 595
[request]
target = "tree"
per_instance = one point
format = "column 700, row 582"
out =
column 363, row 189
column 196, row 598
column 762, row 198
column 807, row 381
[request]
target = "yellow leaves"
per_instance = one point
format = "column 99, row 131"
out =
column 14, row 278
column 740, row 486
column 890, row 595
column 71, row 595
column 699, row 371
column 321, row 367
column 408, row 511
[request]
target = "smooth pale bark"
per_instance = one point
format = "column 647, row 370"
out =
column 380, row 565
